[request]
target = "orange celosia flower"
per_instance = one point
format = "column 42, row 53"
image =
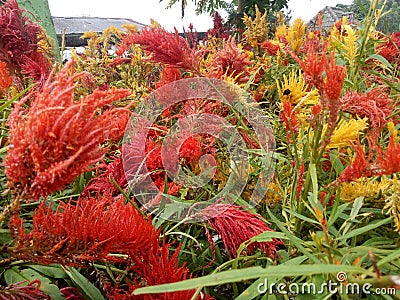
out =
column 289, row 118
column 5, row 79
column 58, row 138
column 85, row 232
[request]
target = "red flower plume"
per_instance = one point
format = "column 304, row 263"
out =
column 85, row 232
column 165, row 47
column 58, row 138
column 236, row 226
column 375, row 105
column 19, row 45
column 5, row 79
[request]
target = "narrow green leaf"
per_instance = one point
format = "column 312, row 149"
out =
column 381, row 59
column 296, row 241
column 366, row 228
column 391, row 257
column 251, row 273
column 53, row 271
column 83, row 284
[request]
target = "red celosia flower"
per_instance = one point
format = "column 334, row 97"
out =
column 19, row 46
column 23, row 291
column 385, row 163
column 5, row 79
column 313, row 66
column 300, row 181
column 375, row 105
column 236, row 226
column 334, row 81
column 191, row 149
column 289, row 118
column 58, row 138
column 85, row 232
column 358, row 167
column 391, row 49
column 158, row 268
column 389, row 161
column 219, row 30
column 71, row 293
column 103, row 182
column 165, row 47
column 168, row 75
column 270, row 47
column 230, row 61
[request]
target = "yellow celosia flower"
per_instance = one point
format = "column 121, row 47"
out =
column 346, row 40
column 154, row 24
column 294, row 90
column 295, row 34
column 280, row 31
column 364, row 187
column 393, row 203
column 393, row 131
column 274, row 194
column 257, row 29
column 130, row 28
column 347, row 132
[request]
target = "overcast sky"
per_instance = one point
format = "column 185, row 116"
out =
column 142, row 10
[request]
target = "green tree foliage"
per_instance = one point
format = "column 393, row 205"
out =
column 237, row 6
column 236, row 13
column 390, row 18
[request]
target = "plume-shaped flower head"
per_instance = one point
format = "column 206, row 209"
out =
column 165, row 47
column 85, row 231
column 236, row 225
column 20, row 42
column 375, row 105
column 57, row 137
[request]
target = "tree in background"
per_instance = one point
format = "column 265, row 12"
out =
column 390, row 17
column 236, row 8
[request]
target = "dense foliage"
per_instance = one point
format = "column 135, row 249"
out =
column 112, row 188
column 390, row 13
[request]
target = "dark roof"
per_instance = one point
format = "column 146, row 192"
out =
column 79, row 25
column 330, row 15
column 74, row 27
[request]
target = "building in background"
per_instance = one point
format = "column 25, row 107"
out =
column 330, row 15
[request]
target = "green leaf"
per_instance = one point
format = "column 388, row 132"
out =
column 365, row 229
column 82, row 283
column 295, row 240
column 381, row 59
column 230, row 276
column 5, row 236
column 52, row 271
column 267, row 236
